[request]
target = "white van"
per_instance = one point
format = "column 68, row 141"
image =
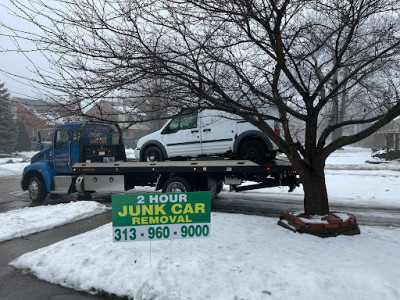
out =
column 206, row 133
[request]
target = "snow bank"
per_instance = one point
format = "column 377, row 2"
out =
column 28, row 220
column 247, row 257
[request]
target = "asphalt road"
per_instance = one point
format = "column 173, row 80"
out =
column 271, row 206
column 14, row 284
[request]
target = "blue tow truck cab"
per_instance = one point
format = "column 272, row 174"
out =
column 51, row 169
column 88, row 157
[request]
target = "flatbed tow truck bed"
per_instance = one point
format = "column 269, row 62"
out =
column 194, row 175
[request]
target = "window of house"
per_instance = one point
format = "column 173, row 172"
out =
column 14, row 112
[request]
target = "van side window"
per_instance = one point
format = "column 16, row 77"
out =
column 188, row 122
column 182, row 123
column 174, row 125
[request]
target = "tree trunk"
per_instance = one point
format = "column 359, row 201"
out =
column 315, row 192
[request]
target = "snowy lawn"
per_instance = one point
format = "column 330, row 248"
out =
column 246, row 257
column 376, row 188
column 351, row 180
column 14, row 165
column 28, row 220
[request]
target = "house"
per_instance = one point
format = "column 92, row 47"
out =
column 27, row 113
column 131, row 121
column 35, row 116
column 388, row 136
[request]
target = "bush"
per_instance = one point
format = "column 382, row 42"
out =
column 385, row 154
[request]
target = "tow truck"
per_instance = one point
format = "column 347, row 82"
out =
column 89, row 157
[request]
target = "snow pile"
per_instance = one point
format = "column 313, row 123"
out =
column 130, row 154
column 246, row 257
column 28, row 220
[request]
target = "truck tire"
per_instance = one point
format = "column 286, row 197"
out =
column 37, row 190
column 153, row 154
column 253, row 150
column 177, row 184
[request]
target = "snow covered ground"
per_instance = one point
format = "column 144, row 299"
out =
column 13, row 166
column 28, row 220
column 246, row 257
column 369, row 188
column 351, row 180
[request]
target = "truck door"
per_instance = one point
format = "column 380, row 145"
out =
column 217, row 131
column 181, row 137
column 66, row 149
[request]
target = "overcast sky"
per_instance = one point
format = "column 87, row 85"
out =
column 16, row 62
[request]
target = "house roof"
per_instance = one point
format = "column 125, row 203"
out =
column 38, row 105
column 116, row 107
column 50, row 113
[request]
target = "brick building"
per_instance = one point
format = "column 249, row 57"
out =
column 35, row 116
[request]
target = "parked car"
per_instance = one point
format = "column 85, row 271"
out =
column 207, row 132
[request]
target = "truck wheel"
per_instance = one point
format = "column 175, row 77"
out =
column 37, row 190
column 153, row 154
column 216, row 189
column 254, row 151
column 176, row 184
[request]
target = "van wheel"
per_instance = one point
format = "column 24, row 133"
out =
column 177, row 184
column 37, row 190
column 253, row 150
column 153, row 154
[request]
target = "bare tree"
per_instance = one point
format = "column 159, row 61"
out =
column 241, row 56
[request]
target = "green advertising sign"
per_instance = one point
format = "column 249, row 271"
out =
column 143, row 217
